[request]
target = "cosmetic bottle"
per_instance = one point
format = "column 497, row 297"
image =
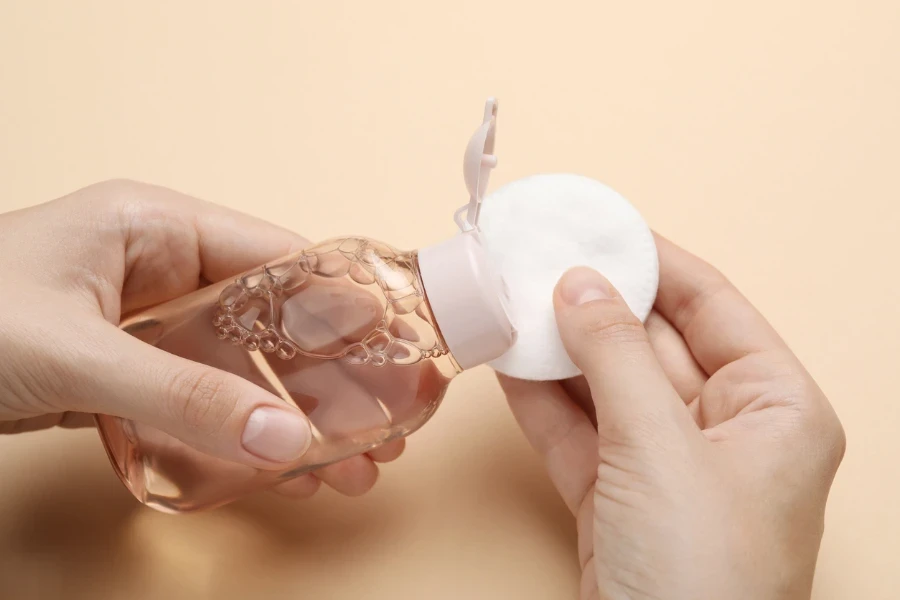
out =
column 361, row 337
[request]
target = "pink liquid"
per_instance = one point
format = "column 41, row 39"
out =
column 342, row 330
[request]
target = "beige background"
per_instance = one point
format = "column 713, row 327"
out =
column 762, row 136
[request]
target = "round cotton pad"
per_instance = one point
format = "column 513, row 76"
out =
column 535, row 229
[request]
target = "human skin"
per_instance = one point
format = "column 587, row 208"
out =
column 72, row 267
column 696, row 452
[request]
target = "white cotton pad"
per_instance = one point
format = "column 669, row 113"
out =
column 537, row 228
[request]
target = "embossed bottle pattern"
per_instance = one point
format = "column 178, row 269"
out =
column 256, row 299
column 342, row 330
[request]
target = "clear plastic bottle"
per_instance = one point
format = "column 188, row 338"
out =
column 361, row 337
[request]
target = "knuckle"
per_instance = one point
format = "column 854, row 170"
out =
column 809, row 413
column 618, row 326
column 715, row 285
column 648, row 430
column 112, row 188
column 111, row 204
column 36, row 378
column 113, row 192
column 202, row 400
column 799, row 389
column 836, row 440
column 821, row 421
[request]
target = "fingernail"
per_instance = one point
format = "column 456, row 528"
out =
column 581, row 285
column 276, row 434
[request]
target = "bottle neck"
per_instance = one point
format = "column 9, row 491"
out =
column 467, row 297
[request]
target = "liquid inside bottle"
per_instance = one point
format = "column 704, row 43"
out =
column 341, row 330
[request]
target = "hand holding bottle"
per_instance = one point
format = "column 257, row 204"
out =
column 696, row 453
column 245, row 359
column 73, row 267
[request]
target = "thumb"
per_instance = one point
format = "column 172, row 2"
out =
column 634, row 400
column 214, row 411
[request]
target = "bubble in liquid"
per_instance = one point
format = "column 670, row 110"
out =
column 252, row 342
column 357, row 355
column 377, row 341
column 234, row 296
column 278, row 269
column 360, row 274
column 350, row 247
column 390, row 277
column 255, row 314
column 268, row 284
column 285, row 350
column 268, row 341
column 405, row 304
column 249, row 308
column 371, row 255
column 235, row 335
column 401, row 329
column 295, row 276
column 327, row 246
column 332, row 264
column 251, row 280
column 401, row 352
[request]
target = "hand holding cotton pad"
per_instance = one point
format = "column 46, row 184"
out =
column 537, row 228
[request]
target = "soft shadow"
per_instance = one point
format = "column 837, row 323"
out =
column 508, row 473
column 73, row 531
column 69, row 529
column 323, row 527
column 64, row 527
column 514, row 477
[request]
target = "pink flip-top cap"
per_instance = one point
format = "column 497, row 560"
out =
column 467, row 295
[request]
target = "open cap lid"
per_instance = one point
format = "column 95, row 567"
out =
column 467, row 295
column 478, row 162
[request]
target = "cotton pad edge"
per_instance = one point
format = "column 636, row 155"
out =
column 573, row 220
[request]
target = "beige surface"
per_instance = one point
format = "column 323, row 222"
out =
column 763, row 137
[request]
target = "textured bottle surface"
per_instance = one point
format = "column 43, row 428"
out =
column 341, row 330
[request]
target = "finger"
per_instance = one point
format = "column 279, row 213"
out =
column 675, row 357
column 760, row 382
column 321, row 321
column 66, row 420
column 219, row 413
column 388, row 452
column 77, row 420
column 632, row 396
column 336, row 404
column 717, row 322
column 299, row 488
column 770, row 400
column 352, row 477
column 37, row 423
column 174, row 241
column 325, row 320
column 559, row 431
column 579, row 391
column 230, row 242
